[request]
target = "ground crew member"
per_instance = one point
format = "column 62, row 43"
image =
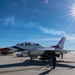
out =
column 52, row 56
column 48, row 55
column 53, row 60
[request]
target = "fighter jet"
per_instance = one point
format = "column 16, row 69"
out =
column 34, row 49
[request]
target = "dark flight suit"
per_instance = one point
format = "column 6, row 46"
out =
column 53, row 57
column 53, row 60
column 48, row 55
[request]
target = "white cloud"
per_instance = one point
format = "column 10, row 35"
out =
column 13, row 22
column 70, row 37
column 9, row 21
column 52, row 31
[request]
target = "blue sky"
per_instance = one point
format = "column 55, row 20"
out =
column 40, row 21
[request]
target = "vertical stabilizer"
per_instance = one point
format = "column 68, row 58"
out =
column 60, row 44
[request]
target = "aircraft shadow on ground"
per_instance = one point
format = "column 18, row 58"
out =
column 26, row 63
column 38, row 63
column 45, row 72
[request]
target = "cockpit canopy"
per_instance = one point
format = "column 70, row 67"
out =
column 29, row 43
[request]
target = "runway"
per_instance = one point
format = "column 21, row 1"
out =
column 12, row 65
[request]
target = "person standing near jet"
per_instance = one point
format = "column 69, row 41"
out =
column 50, row 56
column 53, row 56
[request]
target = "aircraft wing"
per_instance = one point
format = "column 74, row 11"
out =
column 45, row 48
column 53, row 49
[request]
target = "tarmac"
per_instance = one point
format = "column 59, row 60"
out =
column 12, row 65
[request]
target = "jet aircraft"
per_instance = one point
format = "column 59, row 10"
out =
column 34, row 49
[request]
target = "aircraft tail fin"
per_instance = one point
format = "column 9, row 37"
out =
column 60, row 44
